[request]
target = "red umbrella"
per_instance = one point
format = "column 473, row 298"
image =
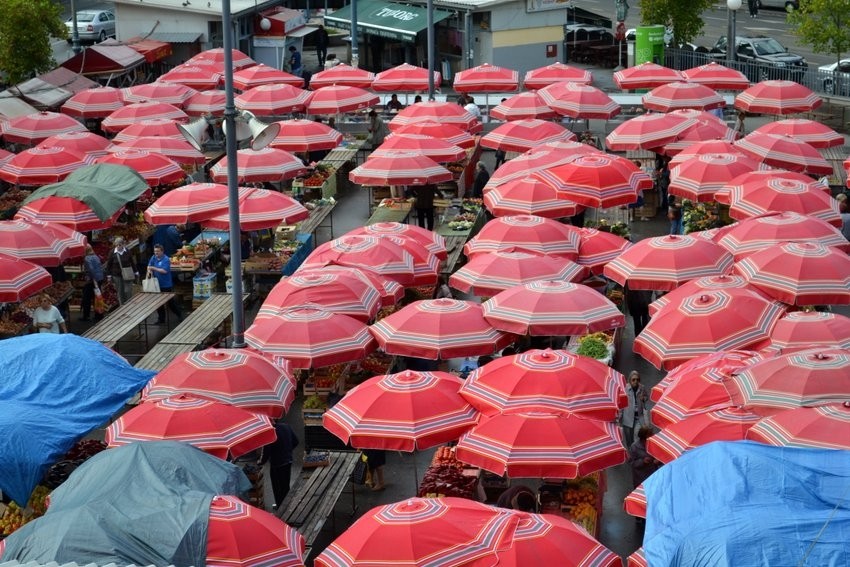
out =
column 784, row 151
column 525, row 233
column 523, row 106
column 155, row 168
column 400, row 169
column 180, row 151
column 546, row 380
column 555, row 73
column 237, row 377
column 20, row 279
column 638, row 558
column 528, row 196
column 697, row 286
column 98, row 102
column 83, row 142
column 273, row 100
column 676, row 96
column 696, row 148
column 169, row 93
column 305, row 136
column 33, row 128
column 310, row 338
column 602, row 180
column 343, row 75
column 66, row 211
column 434, row 148
column 344, row 293
column 219, row 429
column 542, row 445
column 799, row 273
column 755, row 233
column 426, row 266
column 761, row 192
column 552, row 308
column 440, row 112
column 404, row 77
column 205, row 102
column 826, row 427
column 813, row 133
column 486, row 78
column 720, row 425
column 261, row 209
column 41, row 243
column 487, row 274
column 337, row 99
column 777, row 97
column 189, row 203
column 239, row 535
column 448, row 132
column 578, row 100
column 262, row 74
column 699, row 116
column 598, row 247
column 256, row 166
column 702, row 130
column 402, row 412
column 216, row 56
column 807, row 329
column 705, row 323
column 716, row 76
column 699, row 177
column 647, row 131
column 646, row 76
column 433, row 242
column 439, row 329
column 200, row 77
column 523, row 135
column 41, row 166
column 390, row 290
column 133, row 113
column 381, row 255
column 524, row 165
column 151, row 128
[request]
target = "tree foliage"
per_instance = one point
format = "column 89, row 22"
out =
column 824, row 25
column 26, row 27
column 683, row 17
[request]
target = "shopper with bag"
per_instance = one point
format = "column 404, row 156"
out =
column 634, row 415
column 159, row 275
column 120, row 270
column 93, row 270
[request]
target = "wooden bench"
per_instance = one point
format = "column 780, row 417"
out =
column 454, row 246
column 308, row 505
column 127, row 317
column 203, row 321
column 316, row 220
column 161, row 355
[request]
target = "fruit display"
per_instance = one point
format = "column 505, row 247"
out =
column 472, row 205
column 395, row 203
column 57, row 291
column 616, row 296
column 579, row 500
column 456, row 168
column 10, row 202
column 376, row 364
column 140, row 231
column 700, row 216
column 463, row 221
column 12, row 519
column 13, row 323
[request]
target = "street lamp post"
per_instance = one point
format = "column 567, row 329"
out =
column 75, row 35
column 732, row 7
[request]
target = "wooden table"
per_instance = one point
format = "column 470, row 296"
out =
column 200, row 324
column 455, row 239
column 120, row 322
column 161, row 355
column 389, row 214
column 316, row 219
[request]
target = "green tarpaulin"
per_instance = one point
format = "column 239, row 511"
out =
column 384, row 19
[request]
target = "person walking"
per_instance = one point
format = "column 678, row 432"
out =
column 375, row 460
column 674, row 215
column 377, row 130
column 295, row 67
column 637, row 302
column 632, row 415
column 643, row 464
column 279, row 456
column 425, row 205
column 46, row 318
column 322, row 41
column 482, row 176
column 753, row 5
column 160, row 266
column 93, row 270
column 121, row 270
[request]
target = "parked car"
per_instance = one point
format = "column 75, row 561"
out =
column 92, row 25
column 764, row 58
column 834, row 78
column 787, row 5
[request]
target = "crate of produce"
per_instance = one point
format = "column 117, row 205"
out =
column 315, row 459
column 203, row 286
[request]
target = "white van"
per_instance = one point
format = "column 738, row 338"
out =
column 787, row 5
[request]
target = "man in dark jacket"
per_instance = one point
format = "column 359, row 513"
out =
column 481, row 179
column 322, row 40
column 637, row 302
column 425, row 205
column 279, row 456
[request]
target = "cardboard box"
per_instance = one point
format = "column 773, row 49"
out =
column 203, row 286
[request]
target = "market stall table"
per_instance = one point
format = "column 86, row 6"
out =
column 316, row 220
column 161, row 355
column 455, row 240
column 391, row 210
column 120, row 322
column 202, row 322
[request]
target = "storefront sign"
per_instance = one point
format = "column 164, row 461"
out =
column 544, row 5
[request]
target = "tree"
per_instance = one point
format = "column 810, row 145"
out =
column 25, row 30
column 824, row 25
column 684, row 18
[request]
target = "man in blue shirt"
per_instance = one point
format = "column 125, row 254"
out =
column 160, row 267
column 295, row 61
column 169, row 237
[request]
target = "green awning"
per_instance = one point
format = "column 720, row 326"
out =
column 384, row 19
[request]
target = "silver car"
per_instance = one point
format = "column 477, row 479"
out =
column 835, row 78
column 92, row 25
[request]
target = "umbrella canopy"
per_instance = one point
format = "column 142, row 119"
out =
column 720, row 425
column 825, row 426
column 262, row 74
column 219, row 429
column 777, row 97
column 98, row 102
column 202, row 77
column 523, row 135
column 65, row 211
column 305, row 136
column 755, row 233
column 542, row 445
column 523, row 106
column 238, row 377
column 83, row 142
column 336, row 292
column 153, row 127
column 760, row 192
column 528, row 196
column 434, row 148
column 525, row 164
column 260, row 209
column 555, row 73
column 155, row 168
column 189, row 203
column 336, row 99
column 310, row 338
column 578, row 100
column 702, row 130
column 787, row 152
column 170, row 93
column 489, row 273
column 648, row 131
column 602, row 180
column 32, row 129
column 546, row 380
column 646, row 76
column 239, row 535
column 695, row 148
column 448, row 132
column 272, row 100
column 41, row 166
column 665, row 262
column 525, row 233
column 807, row 329
column 716, row 76
column 19, row 279
column 400, row 169
column 439, row 329
column 813, row 133
column 440, row 112
column 216, row 56
column 713, row 320
column 799, row 273
column 130, row 114
column 699, row 177
column 205, row 102
column 343, row 75
column 404, row 77
column 426, row 266
column 257, row 166
column 552, row 308
column 676, row 96
column 402, row 412
column 180, row 151
column 697, row 286
column 598, row 247
column 391, row 291
column 381, row 255
column 433, row 242
column 486, row 78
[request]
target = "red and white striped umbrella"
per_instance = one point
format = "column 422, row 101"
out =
column 84, row 142
column 407, row 411
column 344, row 76
column 523, row 106
column 261, row 209
column 525, row 164
column 190, row 203
column 20, row 279
column 154, row 127
column 98, row 102
column 305, row 136
column 31, row 129
column 216, row 428
column 714, row 146
column 486, row 78
column 711, row 130
column 308, row 337
column 447, row 132
column 755, row 233
column 525, row 233
column 42, row 166
column 716, row 76
column 761, row 192
column 542, row 445
column 390, row 290
column 262, row 74
column 155, row 168
column 602, row 180
column 337, row 99
column 528, row 196
column 430, row 240
column 598, row 247
column 488, row 274
column 440, row 112
column 45, row 244
column 133, row 113
column 579, row 101
column 646, row 76
column 813, row 133
column 800, row 330
column 638, row 558
column 711, row 321
column 272, row 100
column 678, row 96
column 699, row 115
column 202, row 77
column 380, row 255
column 344, row 293
column 400, row 169
column 180, row 151
column 777, row 97
column 647, row 131
column 439, row 329
column 552, row 308
column 524, row 135
column 434, row 148
column 666, row 262
column 426, row 266
column 674, row 440
column 699, row 285
column 169, row 93
column 65, row 211
column 786, row 152
column 825, row 427
column 205, row 102
column 404, row 77
column 699, row 177
column 216, row 56
column 555, row 73
column 257, row 166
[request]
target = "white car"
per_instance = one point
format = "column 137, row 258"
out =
column 834, row 78
column 92, row 25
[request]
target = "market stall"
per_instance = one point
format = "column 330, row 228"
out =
column 446, row 476
column 578, row 500
column 16, row 318
column 458, row 223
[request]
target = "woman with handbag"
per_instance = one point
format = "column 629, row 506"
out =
column 159, row 267
column 94, row 279
column 121, row 270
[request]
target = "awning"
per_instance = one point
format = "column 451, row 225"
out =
column 384, row 19
column 176, row 37
column 51, row 89
column 12, row 107
column 302, row 31
column 150, row 49
column 104, row 60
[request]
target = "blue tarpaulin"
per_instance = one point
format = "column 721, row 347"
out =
column 745, row 503
column 54, row 390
